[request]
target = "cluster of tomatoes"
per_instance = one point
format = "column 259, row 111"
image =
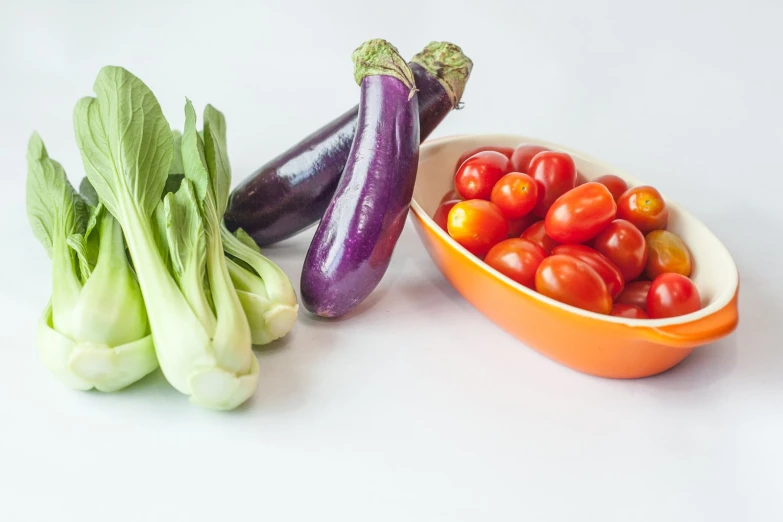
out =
column 598, row 245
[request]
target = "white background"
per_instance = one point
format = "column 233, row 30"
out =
column 417, row 408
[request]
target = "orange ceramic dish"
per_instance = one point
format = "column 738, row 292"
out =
column 585, row 341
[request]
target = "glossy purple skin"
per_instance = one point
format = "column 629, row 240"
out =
column 353, row 244
column 291, row 192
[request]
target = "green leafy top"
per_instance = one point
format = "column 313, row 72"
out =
column 206, row 160
column 54, row 208
column 185, row 230
column 176, row 156
column 125, row 141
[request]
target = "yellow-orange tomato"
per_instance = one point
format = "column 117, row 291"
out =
column 644, row 207
column 666, row 252
column 477, row 225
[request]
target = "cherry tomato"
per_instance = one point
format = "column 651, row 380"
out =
column 672, row 295
column 666, row 252
column 515, row 194
column 506, row 151
column 630, row 311
column 635, row 294
column 644, row 207
column 479, row 173
column 598, row 262
column 616, row 185
column 517, row 226
column 518, row 259
column 572, row 281
column 523, row 154
column 580, row 214
column 625, row 246
column 450, row 195
column 555, row 174
column 441, row 216
column 477, row 225
column 537, row 234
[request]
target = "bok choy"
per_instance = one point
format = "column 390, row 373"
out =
column 94, row 332
column 201, row 334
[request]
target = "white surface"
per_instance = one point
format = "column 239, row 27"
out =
column 417, row 408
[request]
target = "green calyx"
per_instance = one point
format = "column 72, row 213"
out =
column 379, row 57
column 449, row 65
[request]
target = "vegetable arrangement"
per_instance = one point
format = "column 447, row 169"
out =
column 153, row 267
column 191, row 297
column 600, row 246
column 147, row 272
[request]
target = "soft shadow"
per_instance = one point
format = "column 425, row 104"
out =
column 362, row 308
column 753, row 351
column 704, row 367
column 285, row 365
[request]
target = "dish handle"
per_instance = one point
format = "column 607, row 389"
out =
column 702, row 331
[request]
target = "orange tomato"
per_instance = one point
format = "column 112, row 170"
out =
column 572, row 281
column 616, row 185
column 537, row 234
column 672, row 295
column 477, row 225
column 644, row 207
column 635, row 294
column 625, row 246
column 518, row 259
column 476, row 177
column 515, row 194
column 580, row 214
column 523, row 155
column 598, row 262
column 630, row 311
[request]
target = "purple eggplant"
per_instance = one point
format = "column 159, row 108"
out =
column 354, row 241
column 291, row 192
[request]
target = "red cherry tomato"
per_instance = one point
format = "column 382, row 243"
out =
column 518, row 259
column 666, row 252
column 506, row 151
column 672, row 295
column 515, row 194
column 598, row 262
column 450, row 196
column 572, row 281
column 625, row 246
column 644, row 207
column 537, row 234
column 522, row 155
column 615, row 184
column 441, row 216
column 555, row 174
column 635, row 294
column 477, row 225
column 517, row 226
column 580, row 214
column 479, row 173
column 630, row 311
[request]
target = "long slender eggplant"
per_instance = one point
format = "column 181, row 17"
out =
column 354, row 241
column 291, row 192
